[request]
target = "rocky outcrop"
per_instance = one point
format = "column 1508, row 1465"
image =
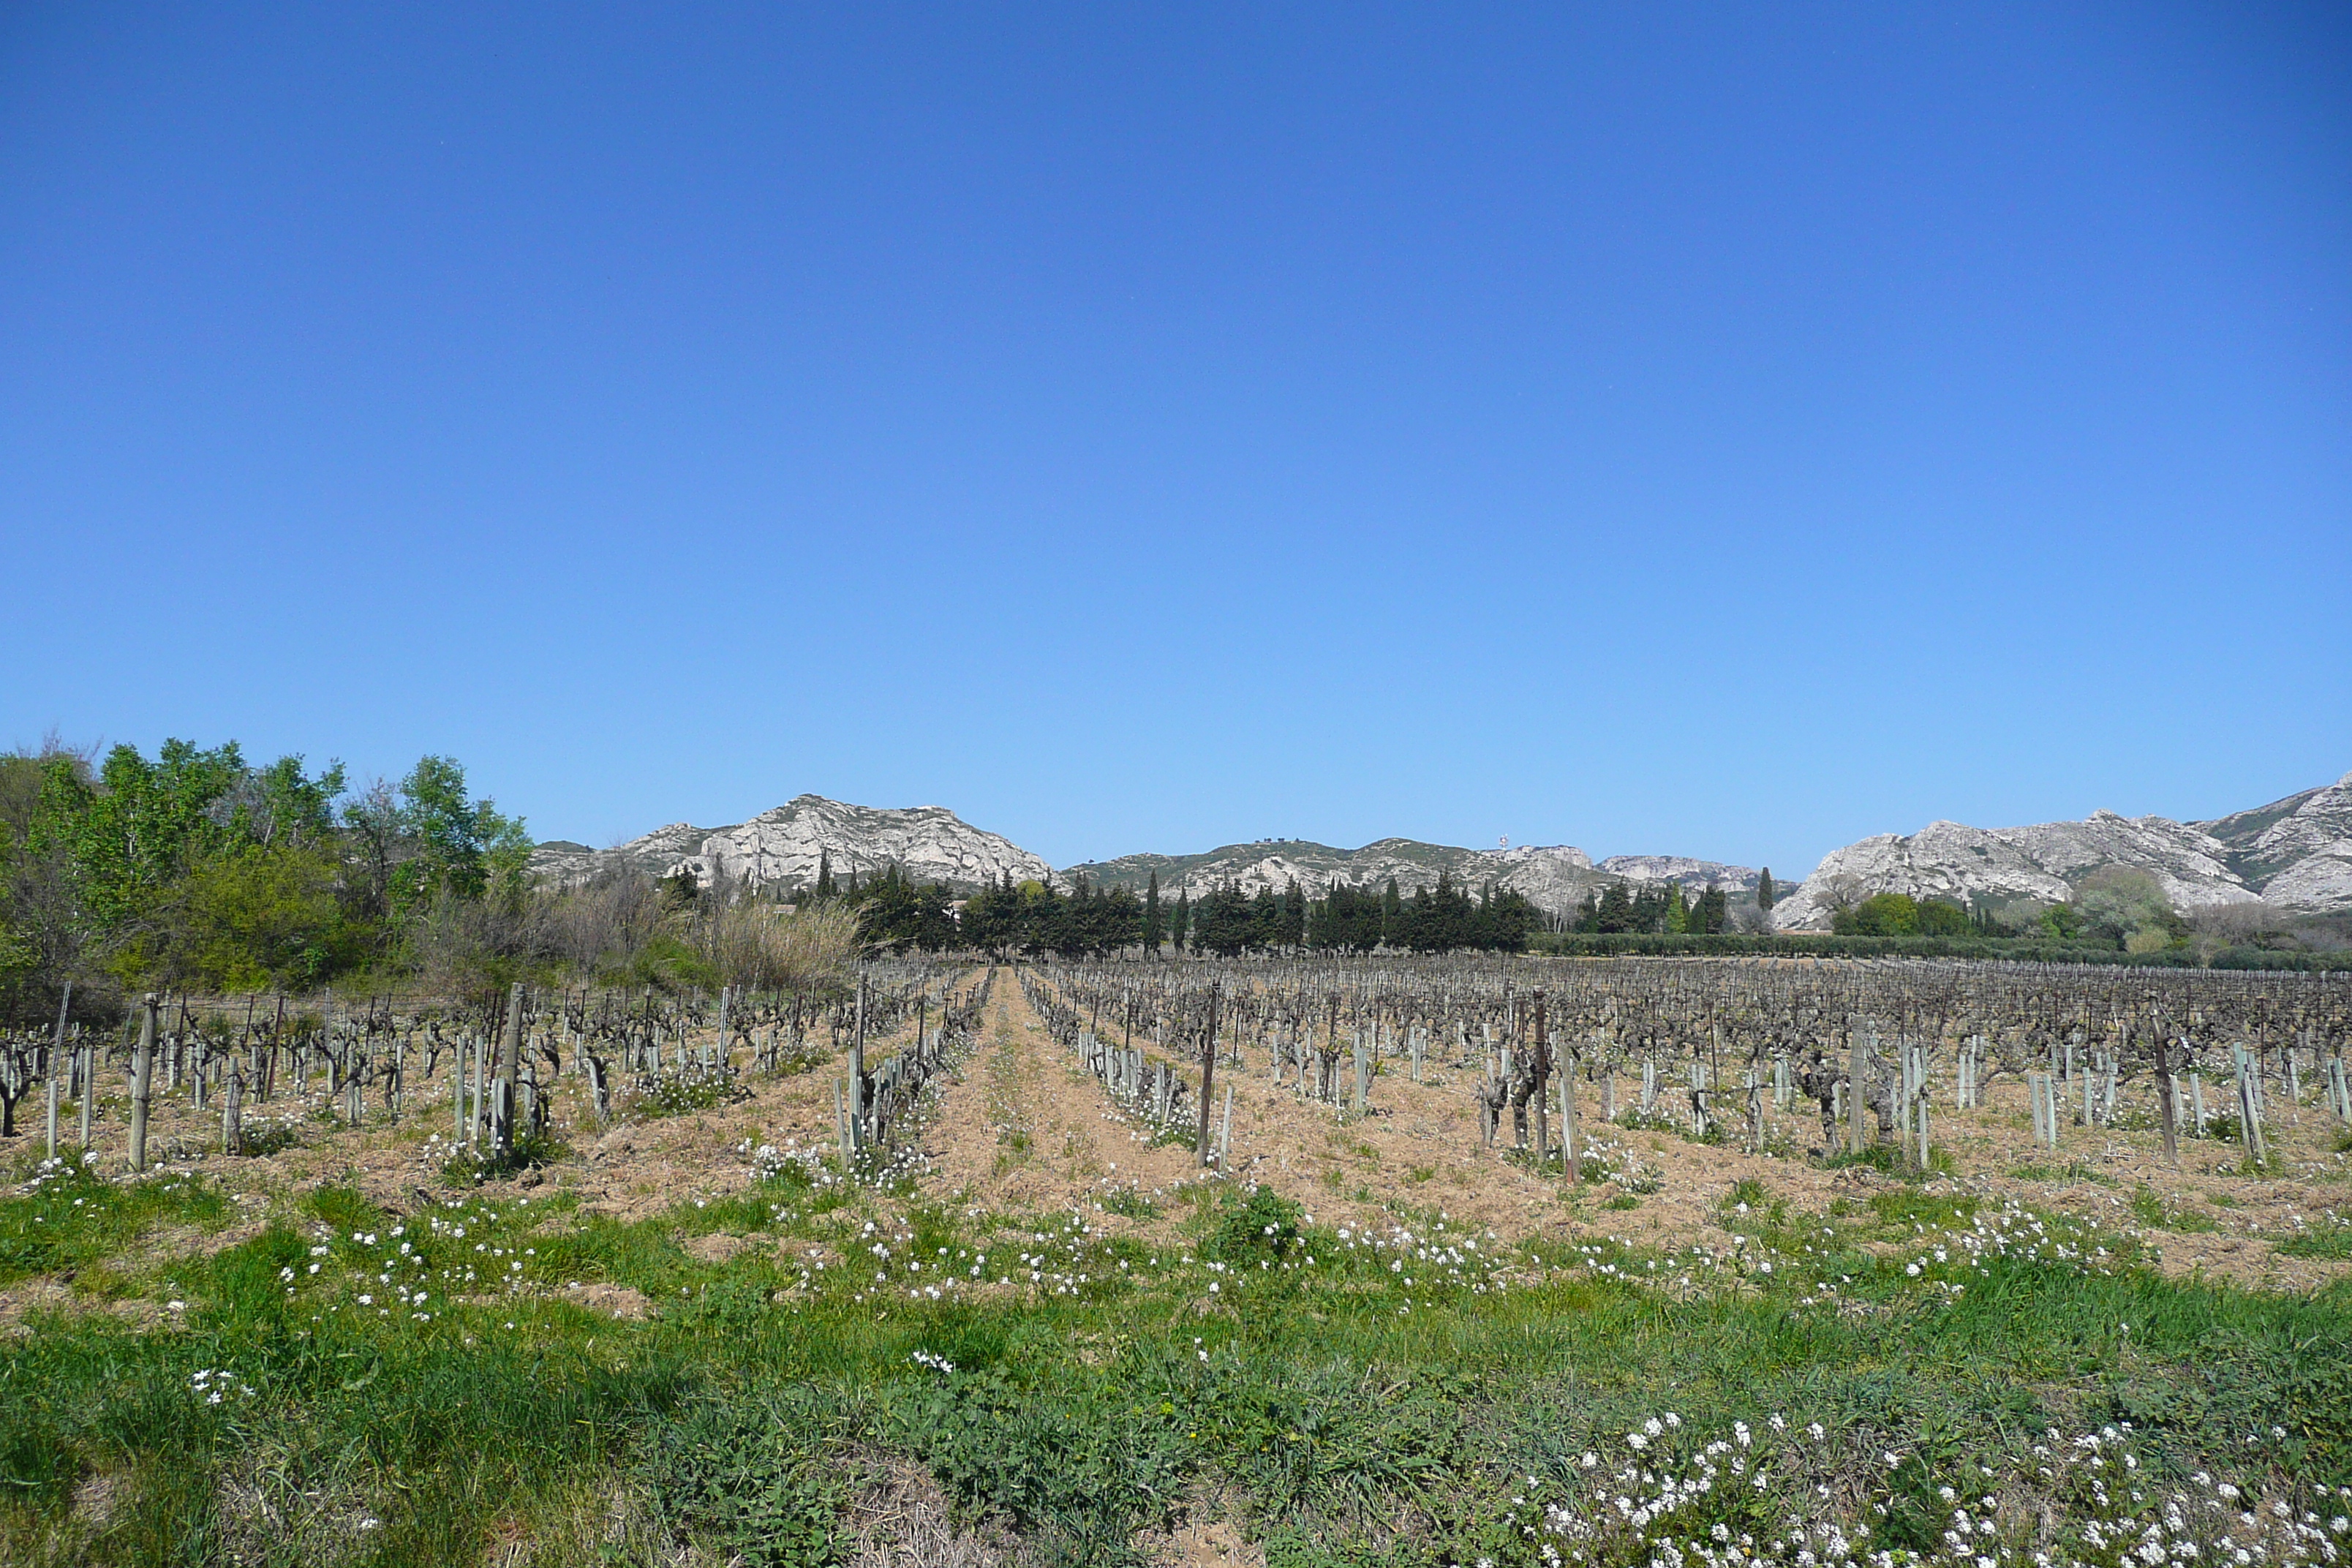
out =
column 2297, row 851
column 2294, row 855
column 1553, row 876
column 1696, row 875
column 782, row 847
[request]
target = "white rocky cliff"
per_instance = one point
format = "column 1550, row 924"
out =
column 1555, row 877
column 782, row 847
column 2294, row 855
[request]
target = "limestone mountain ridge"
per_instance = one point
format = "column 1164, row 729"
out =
column 2294, row 855
column 784, row 847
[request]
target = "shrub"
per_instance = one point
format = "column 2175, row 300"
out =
column 752, row 1478
column 689, row 1088
column 1264, row 1225
column 485, row 1163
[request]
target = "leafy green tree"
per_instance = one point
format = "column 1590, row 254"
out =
column 1940, row 917
column 141, row 827
column 193, row 865
column 256, row 918
column 19, row 956
column 462, row 848
column 1883, row 914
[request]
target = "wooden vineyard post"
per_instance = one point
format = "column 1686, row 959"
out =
column 142, row 1082
column 89, row 1058
column 56, row 1054
column 858, row 1073
column 1208, row 1071
column 1542, row 1090
column 1919, row 1097
column 2250, row 1110
column 1225, row 1129
column 502, row 1087
column 233, row 1109
column 1854, row 1097
column 1567, row 1155
column 2164, row 1099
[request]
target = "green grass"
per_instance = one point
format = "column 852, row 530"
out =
column 2150, row 1210
column 1342, row 1415
column 74, row 1220
column 2330, row 1235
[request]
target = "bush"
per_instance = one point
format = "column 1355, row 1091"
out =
column 1264, row 1225
column 485, row 1163
column 752, row 1478
column 689, row 1088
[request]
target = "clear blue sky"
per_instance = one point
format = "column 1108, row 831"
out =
column 1718, row 430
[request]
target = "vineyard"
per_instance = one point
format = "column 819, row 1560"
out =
column 1416, row 1260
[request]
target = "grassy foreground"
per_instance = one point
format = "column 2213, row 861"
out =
column 1913, row 1378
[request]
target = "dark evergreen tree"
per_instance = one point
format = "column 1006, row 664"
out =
column 1180, row 925
column 1224, row 923
column 824, row 875
column 1765, row 893
column 1153, row 926
column 1266, row 919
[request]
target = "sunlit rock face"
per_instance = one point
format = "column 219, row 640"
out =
column 783, row 848
column 2294, row 854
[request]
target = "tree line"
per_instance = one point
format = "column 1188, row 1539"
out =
column 1655, row 910
column 1083, row 919
column 195, row 869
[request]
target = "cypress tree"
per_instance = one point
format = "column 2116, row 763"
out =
column 1765, row 893
column 1714, row 912
column 824, row 875
column 1151, row 920
column 1180, row 926
column 1265, row 918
